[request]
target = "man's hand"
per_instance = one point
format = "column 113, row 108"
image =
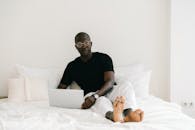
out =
column 62, row 86
column 89, row 101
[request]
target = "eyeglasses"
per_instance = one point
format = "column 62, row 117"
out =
column 81, row 44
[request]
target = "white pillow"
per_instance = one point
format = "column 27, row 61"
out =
column 52, row 75
column 129, row 69
column 36, row 89
column 16, row 90
column 74, row 85
column 138, row 76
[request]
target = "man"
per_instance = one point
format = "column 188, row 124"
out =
column 94, row 72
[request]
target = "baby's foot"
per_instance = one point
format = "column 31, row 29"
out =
column 135, row 116
column 118, row 106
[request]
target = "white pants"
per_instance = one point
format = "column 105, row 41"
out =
column 104, row 103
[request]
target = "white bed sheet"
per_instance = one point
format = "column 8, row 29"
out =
column 159, row 115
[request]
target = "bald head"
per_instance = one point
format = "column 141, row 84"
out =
column 81, row 37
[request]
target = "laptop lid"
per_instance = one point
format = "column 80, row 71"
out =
column 66, row 98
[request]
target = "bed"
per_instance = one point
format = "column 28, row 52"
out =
column 27, row 106
column 38, row 115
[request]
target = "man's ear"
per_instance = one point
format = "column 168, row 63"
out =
column 91, row 43
column 75, row 47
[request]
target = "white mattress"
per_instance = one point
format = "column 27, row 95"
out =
column 159, row 115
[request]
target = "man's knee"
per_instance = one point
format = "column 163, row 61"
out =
column 102, row 105
column 102, row 99
column 103, row 102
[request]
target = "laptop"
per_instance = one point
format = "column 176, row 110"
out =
column 66, row 98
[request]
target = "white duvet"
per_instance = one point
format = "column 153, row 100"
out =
column 159, row 115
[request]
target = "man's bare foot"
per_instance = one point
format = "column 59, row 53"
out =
column 118, row 106
column 134, row 116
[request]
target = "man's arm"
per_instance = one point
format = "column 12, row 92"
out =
column 62, row 86
column 66, row 78
column 109, row 82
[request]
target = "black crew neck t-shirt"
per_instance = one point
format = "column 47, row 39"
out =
column 88, row 75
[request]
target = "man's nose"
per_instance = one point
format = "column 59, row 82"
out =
column 84, row 46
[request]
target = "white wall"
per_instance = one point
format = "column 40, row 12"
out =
column 182, row 51
column 41, row 33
